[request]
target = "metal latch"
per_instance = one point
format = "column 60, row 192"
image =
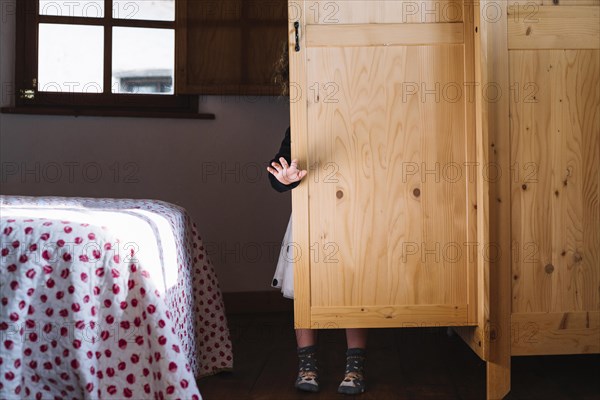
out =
column 29, row 94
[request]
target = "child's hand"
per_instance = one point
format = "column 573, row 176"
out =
column 286, row 174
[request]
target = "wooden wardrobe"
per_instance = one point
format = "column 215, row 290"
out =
column 453, row 150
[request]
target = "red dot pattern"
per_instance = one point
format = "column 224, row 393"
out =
column 88, row 324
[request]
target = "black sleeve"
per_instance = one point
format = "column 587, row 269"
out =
column 285, row 152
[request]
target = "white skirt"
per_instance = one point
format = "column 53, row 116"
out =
column 284, row 274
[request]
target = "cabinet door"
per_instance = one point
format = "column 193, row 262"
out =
column 555, row 154
column 382, row 110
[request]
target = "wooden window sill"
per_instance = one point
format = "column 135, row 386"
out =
column 105, row 112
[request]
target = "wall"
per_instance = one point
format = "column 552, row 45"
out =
column 214, row 169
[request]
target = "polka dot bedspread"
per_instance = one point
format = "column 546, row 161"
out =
column 106, row 299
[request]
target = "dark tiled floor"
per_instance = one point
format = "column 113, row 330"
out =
column 411, row 364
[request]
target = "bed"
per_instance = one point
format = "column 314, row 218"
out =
column 106, row 298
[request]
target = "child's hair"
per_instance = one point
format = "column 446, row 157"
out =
column 281, row 75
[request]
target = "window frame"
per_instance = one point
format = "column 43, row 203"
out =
column 31, row 101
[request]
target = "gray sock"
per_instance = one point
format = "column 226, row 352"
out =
column 308, row 378
column 354, row 381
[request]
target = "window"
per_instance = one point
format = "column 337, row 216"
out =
column 128, row 57
column 98, row 57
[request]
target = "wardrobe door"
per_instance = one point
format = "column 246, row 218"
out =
column 555, row 151
column 382, row 109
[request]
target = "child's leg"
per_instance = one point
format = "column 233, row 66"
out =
column 308, row 378
column 354, row 381
column 306, row 337
column 356, row 337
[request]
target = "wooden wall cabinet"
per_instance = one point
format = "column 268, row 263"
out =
column 453, row 150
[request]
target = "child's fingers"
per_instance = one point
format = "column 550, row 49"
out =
column 284, row 163
column 277, row 175
column 277, row 167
